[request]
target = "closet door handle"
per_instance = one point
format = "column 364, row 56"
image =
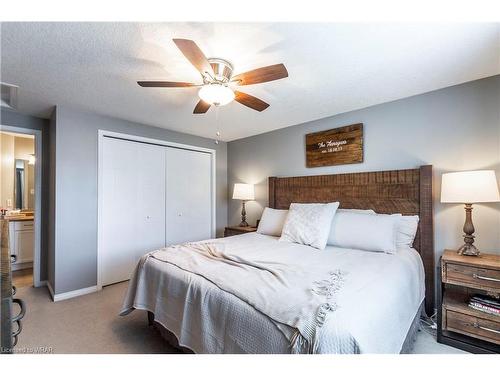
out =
column 13, row 258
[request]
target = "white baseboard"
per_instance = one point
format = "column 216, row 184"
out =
column 51, row 291
column 40, row 284
column 71, row 294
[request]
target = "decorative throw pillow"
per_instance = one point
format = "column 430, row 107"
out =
column 309, row 223
column 272, row 221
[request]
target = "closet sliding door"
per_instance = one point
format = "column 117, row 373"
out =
column 133, row 205
column 151, row 196
column 189, row 196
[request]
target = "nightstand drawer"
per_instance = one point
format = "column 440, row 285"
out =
column 234, row 231
column 230, row 232
column 480, row 328
column 471, row 275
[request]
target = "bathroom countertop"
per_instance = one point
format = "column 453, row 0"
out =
column 19, row 218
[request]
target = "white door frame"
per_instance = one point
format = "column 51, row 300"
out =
column 38, row 197
column 129, row 137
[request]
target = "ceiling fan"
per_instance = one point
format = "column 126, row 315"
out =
column 218, row 80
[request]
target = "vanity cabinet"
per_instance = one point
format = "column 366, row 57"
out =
column 21, row 234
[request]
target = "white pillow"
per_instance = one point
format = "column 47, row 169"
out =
column 272, row 221
column 360, row 211
column 309, row 223
column 356, row 230
column 406, row 231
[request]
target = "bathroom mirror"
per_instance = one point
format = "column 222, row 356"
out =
column 24, row 175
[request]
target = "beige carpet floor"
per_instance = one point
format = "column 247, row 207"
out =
column 90, row 324
column 86, row 324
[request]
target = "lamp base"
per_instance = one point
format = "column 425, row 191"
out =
column 468, row 247
column 469, row 250
column 243, row 215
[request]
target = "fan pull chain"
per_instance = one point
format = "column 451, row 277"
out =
column 217, row 131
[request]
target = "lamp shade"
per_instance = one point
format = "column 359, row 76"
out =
column 469, row 187
column 244, row 192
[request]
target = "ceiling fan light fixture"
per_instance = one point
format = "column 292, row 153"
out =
column 216, row 94
column 217, row 74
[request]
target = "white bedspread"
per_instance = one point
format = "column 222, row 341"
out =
column 376, row 304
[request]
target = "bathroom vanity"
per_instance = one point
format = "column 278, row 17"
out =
column 21, row 241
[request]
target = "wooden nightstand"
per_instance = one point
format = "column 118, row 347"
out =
column 458, row 324
column 233, row 231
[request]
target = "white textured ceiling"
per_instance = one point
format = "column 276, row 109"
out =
column 333, row 68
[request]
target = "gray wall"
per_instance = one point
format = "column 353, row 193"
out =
column 11, row 118
column 456, row 128
column 75, row 242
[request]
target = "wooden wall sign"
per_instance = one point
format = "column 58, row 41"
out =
column 335, row 146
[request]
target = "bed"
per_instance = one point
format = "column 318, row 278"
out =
column 380, row 300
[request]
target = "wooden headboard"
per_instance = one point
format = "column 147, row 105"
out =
column 407, row 191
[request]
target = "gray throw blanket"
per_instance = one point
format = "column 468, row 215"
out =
column 291, row 290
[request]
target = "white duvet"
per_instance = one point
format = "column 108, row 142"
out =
column 376, row 304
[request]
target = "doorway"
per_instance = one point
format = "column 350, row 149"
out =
column 20, row 200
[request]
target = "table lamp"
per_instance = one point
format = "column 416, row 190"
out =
column 244, row 192
column 469, row 187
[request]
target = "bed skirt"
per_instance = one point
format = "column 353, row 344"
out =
column 411, row 336
column 167, row 335
column 170, row 337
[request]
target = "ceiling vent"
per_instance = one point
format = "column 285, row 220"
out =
column 9, row 95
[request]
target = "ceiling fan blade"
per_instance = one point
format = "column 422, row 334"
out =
column 194, row 54
column 260, row 75
column 165, row 84
column 201, row 107
column 250, row 101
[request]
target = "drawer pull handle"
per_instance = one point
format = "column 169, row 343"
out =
column 475, row 325
column 485, row 278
